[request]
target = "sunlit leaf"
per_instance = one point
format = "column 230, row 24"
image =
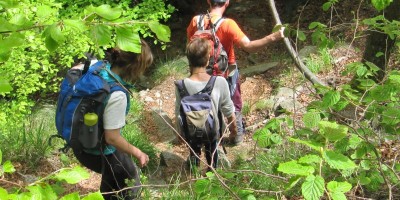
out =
column 201, row 186
column 326, row 6
column 314, row 145
column 338, row 161
column 3, row 193
column 331, row 98
column 332, row 131
column 337, row 189
column 75, row 24
column 309, row 159
column 93, row 196
column 72, row 176
column 101, row 35
column 311, row 119
column 8, row 167
column 313, row 187
column 128, row 40
column 72, row 196
column 292, row 167
column 105, row 11
column 4, row 87
column 381, row 4
column 162, row 32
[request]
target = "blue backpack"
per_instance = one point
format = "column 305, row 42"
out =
column 81, row 102
column 197, row 121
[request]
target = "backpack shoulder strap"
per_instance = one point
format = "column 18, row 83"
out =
column 200, row 22
column 218, row 23
column 210, row 86
column 180, row 84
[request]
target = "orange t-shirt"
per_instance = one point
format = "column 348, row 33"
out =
column 228, row 32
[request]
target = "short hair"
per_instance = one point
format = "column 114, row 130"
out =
column 133, row 64
column 198, row 52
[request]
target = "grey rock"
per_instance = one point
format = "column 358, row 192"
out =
column 257, row 69
column 164, row 125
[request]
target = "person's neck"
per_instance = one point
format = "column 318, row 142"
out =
column 199, row 74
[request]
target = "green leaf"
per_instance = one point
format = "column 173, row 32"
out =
column 261, row 137
column 128, row 40
column 44, row 11
column 14, row 40
column 364, row 180
column 4, row 87
column 9, row 4
column 332, row 131
column 162, row 32
column 313, row 187
column 1, row 155
column 309, row 159
column 311, row 119
column 72, row 176
column 314, row 25
column 3, row 193
column 301, row 35
column 8, row 167
column 72, row 196
column 335, row 186
column 76, row 24
column 101, row 35
column 292, row 167
column 56, row 34
column 381, row 4
column 331, row 98
column 93, row 196
column 337, row 189
column 51, row 44
column 314, row 145
column 391, row 116
column 292, row 182
column 6, row 26
column 201, row 186
column 338, row 161
column 38, row 192
column 19, row 20
column 326, row 6
column 105, row 11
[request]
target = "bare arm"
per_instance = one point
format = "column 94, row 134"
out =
column 256, row 45
column 114, row 138
column 232, row 126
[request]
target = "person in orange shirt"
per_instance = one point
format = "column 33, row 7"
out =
column 230, row 34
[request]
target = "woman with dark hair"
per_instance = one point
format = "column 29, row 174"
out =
column 114, row 160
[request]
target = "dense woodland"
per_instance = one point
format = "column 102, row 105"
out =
column 345, row 145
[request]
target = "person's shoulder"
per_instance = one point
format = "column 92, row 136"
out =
column 220, row 80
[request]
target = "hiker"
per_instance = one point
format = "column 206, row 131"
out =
column 116, row 164
column 230, row 34
column 198, row 52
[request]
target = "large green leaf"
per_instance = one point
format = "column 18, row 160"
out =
column 332, row 131
column 381, row 4
column 14, row 40
column 51, row 44
column 3, row 193
column 105, row 11
column 6, row 26
column 337, row 189
column 37, row 192
column 314, row 145
column 201, row 186
column 56, row 33
column 76, row 24
column 391, row 116
column 101, row 35
column 8, row 3
column 4, row 87
column 72, row 176
column 128, row 40
column 162, row 32
column 338, row 161
column 292, row 167
column 309, row 159
column 311, row 119
column 331, row 98
column 313, row 187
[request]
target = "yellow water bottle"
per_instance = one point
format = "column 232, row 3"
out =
column 89, row 137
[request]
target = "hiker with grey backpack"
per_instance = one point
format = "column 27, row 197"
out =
column 201, row 103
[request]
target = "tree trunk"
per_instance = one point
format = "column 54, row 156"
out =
column 380, row 42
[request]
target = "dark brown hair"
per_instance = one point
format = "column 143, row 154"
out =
column 198, row 52
column 133, row 64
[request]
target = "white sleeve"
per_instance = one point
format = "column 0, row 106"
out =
column 114, row 112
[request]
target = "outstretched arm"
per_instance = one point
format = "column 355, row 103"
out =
column 256, row 45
